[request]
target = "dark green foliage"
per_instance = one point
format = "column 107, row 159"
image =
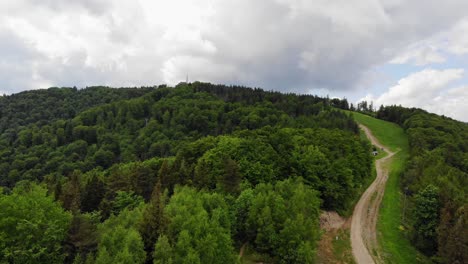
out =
column 44, row 106
column 154, row 220
column 231, row 178
column 426, row 218
column 82, row 236
column 159, row 123
column 71, row 193
column 92, row 194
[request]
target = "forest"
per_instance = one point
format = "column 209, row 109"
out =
column 435, row 182
column 185, row 174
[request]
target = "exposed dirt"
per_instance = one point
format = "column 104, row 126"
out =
column 363, row 224
column 334, row 227
column 331, row 220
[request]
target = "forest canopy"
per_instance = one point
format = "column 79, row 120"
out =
column 174, row 175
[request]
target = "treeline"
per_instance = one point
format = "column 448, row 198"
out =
column 47, row 105
column 291, row 103
column 178, row 175
column 436, row 182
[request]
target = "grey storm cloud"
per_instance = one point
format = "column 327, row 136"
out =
column 284, row 45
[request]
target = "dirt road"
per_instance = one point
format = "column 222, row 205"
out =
column 364, row 219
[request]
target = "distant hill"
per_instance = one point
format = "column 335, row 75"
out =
column 47, row 105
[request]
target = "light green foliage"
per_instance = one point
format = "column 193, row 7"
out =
column 125, row 200
column 119, row 240
column 32, row 226
column 200, row 227
column 388, row 133
column 163, row 252
column 241, row 210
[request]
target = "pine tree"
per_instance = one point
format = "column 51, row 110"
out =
column 163, row 252
column 202, row 175
column 231, row 179
column 154, row 221
column 71, row 193
column 164, row 176
column 92, row 194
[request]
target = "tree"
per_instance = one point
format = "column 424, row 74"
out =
column 71, row 193
column 165, row 176
column 163, row 252
column 119, row 240
column 453, row 235
column 92, row 194
column 154, row 219
column 200, row 227
column 126, row 200
column 426, row 219
column 231, row 178
column 32, row 226
column 103, row 158
column 82, row 236
column 284, row 219
column 121, row 246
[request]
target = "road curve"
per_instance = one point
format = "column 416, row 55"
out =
column 364, row 219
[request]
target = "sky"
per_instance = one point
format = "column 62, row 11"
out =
column 413, row 53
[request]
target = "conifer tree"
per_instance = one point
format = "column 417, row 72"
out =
column 154, row 221
column 231, row 179
column 71, row 194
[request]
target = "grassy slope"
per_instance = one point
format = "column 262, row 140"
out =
column 396, row 248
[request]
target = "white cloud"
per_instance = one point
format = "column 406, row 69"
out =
column 431, row 50
column 431, row 90
column 420, row 54
column 287, row 45
column 458, row 38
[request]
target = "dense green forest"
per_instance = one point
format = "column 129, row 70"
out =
column 435, row 182
column 45, row 106
column 172, row 175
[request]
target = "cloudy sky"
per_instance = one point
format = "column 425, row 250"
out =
column 413, row 53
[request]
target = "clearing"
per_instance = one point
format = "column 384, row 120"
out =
column 364, row 219
column 387, row 238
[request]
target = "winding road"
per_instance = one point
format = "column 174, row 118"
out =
column 364, row 219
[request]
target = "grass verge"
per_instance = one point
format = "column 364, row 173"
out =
column 342, row 247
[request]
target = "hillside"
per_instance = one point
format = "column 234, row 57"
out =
column 186, row 174
column 47, row 105
column 434, row 183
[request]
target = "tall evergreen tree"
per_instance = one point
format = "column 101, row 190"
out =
column 231, row 179
column 154, row 220
column 93, row 194
column 71, row 194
